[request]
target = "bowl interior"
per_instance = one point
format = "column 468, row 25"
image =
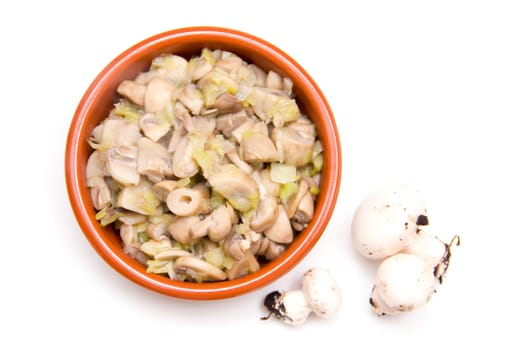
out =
column 98, row 101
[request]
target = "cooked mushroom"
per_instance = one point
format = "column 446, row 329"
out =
column 96, row 165
column 158, row 93
column 274, row 250
column 246, row 265
column 216, row 226
column 227, row 123
column 154, row 161
column 180, row 228
column 163, row 188
column 185, row 201
column 183, row 163
column 131, row 218
column 122, row 165
column 274, row 81
column 198, row 269
column 117, row 132
column 297, row 149
column 305, row 211
column 258, row 148
column 227, row 103
column 293, row 202
column 192, row 98
column 154, row 125
column 265, row 215
column 170, row 254
column 233, row 156
column 281, row 231
column 100, row 192
column 239, row 189
column 172, row 67
column 139, row 199
column 133, row 91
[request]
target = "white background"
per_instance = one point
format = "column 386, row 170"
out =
column 430, row 93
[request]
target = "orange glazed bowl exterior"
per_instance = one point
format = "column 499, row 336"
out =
column 98, row 100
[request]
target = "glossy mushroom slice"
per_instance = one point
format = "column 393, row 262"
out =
column 154, row 161
column 198, row 270
column 237, row 187
column 281, row 231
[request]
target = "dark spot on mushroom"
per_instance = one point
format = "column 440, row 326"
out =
column 273, row 303
column 406, row 226
column 370, row 253
column 371, row 301
column 422, row 220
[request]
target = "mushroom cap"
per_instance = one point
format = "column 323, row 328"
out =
column 259, row 148
column 182, row 162
column 297, row 149
column 154, row 125
column 321, row 292
column 427, row 246
column 404, row 282
column 385, row 221
column 296, row 307
column 265, row 215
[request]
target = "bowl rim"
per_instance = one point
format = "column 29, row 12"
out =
column 215, row 290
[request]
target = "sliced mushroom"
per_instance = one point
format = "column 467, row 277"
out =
column 119, row 132
column 305, row 211
column 183, row 163
column 233, row 156
column 258, row 148
column 185, row 201
column 172, row 67
column 133, row 91
column 239, row 189
column 246, row 265
column 260, row 75
column 154, row 160
column 171, row 254
column 293, row 202
column 180, row 228
column 297, row 150
column 192, row 98
column 265, row 215
column 122, row 165
column 135, row 253
column 100, row 192
column 227, row 103
column 270, row 186
column 198, row 269
column 139, row 199
column 198, row 67
column 274, row 250
column 154, row 125
column 131, row 218
column 163, row 188
column 229, row 62
column 128, row 234
column 274, row 81
column 227, row 123
column 157, row 231
column 199, row 125
column 237, row 244
column 96, row 165
column 216, row 226
column 158, row 93
column 281, row 231
column 176, row 136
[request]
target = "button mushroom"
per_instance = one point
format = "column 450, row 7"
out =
column 246, row 265
column 386, row 219
column 154, row 125
column 192, row 98
column 139, row 199
column 320, row 294
column 239, row 189
column 216, row 225
column 258, row 148
column 404, row 282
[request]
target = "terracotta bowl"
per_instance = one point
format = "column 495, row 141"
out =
column 98, row 101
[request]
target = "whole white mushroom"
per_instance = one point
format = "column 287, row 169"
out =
column 404, row 282
column 321, row 292
column 386, row 219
